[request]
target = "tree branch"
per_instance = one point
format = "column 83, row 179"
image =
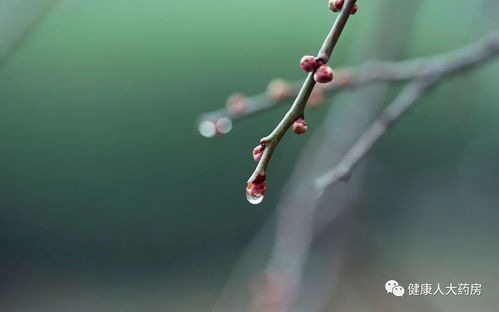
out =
column 298, row 107
column 371, row 72
column 429, row 74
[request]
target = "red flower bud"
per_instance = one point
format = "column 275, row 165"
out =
column 354, row 9
column 308, row 63
column 258, row 152
column 323, row 74
column 335, row 5
column 300, row 126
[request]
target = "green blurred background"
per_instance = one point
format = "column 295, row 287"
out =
column 111, row 201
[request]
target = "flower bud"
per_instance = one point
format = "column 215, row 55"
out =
column 336, row 5
column 237, row 103
column 308, row 63
column 354, row 9
column 258, row 152
column 323, row 74
column 279, row 90
column 300, row 126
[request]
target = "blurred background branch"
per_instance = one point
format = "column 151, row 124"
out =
column 279, row 91
column 425, row 74
column 18, row 19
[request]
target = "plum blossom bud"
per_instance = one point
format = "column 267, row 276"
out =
column 258, row 151
column 336, row 5
column 309, row 63
column 323, row 74
column 279, row 90
column 354, row 9
column 237, row 103
column 299, row 126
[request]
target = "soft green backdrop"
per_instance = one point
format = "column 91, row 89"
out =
column 101, row 168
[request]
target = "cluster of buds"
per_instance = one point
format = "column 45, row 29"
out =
column 258, row 151
column 337, row 5
column 280, row 90
column 323, row 73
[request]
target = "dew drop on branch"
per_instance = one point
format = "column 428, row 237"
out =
column 223, row 125
column 207, row 128
column 254, row 199
column 211, row 128
column 255, row 189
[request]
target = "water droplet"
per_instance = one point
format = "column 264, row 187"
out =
column 223, row 125
column 207, row 128
column 255, row 189
column 254, row 199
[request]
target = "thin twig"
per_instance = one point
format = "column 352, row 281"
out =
column 371, row 72
column 429, row 75
column 18, row 20
column 298, row 107
column 400, row 105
